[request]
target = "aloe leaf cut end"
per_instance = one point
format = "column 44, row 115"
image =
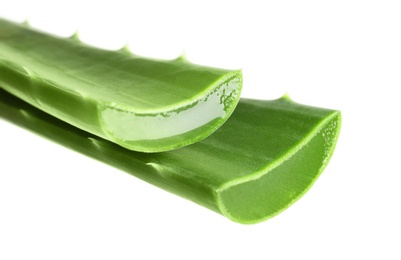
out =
column 271, row 190
column 162, row 131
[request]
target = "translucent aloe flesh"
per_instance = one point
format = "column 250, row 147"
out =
column 264, row 158
column 141, row 104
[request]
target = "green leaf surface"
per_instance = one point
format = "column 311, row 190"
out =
column 141, row 104
column 264, row 158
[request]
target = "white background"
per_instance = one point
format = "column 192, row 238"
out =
column 57, row 204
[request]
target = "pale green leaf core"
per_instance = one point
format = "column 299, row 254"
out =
column 154, row 127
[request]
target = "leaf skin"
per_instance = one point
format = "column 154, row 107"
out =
column 263, row 159
column 141, row 104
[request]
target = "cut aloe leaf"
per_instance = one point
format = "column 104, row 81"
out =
column 141, row 104
column 263, row 159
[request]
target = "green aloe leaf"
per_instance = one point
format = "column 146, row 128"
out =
column 141, row 104
column 264, row 158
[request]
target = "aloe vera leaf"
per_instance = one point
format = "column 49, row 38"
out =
column 264, row 158
column 141, row 104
